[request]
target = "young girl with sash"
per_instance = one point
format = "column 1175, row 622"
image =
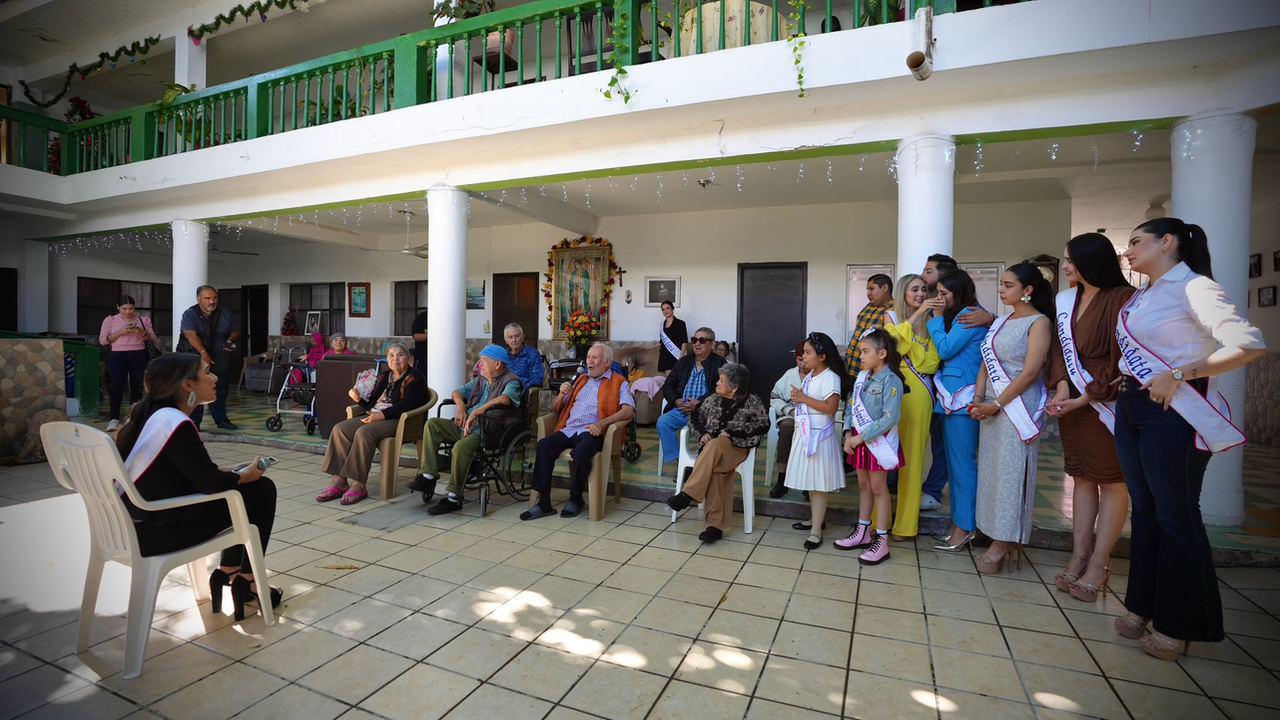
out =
column 673, row 338
column 958, row 349
column 814, row 463
column 871, row 437
column 919, row 363
column 1010, row 399
column 1083, row 372
column 1175, row 335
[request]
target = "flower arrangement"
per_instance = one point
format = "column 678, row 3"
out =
column 582, row 328
column 549, row 275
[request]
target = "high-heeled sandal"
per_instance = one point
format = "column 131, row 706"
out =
column 1131, row 625
column 1086, row 592
column 217, row 580
column 242, row 594
column 958, row 547
column 1064, row 579
column 987, row 566
column 1163, row 647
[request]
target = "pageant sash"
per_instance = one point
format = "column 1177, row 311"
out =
column 1066, row 305
column 884, row 446
column 954, row 402
column 1210, row 416
column 667, row 342
column 804, row 424
column 151, row 441
column 1025, row 422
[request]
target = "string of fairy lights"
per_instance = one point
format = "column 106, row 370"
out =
column 413, row 213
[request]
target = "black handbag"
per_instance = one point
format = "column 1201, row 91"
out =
column 153, row 350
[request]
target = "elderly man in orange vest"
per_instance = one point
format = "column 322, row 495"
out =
column 587, row 407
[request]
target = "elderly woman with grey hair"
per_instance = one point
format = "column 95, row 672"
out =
column 399, row 389
column 728, row 424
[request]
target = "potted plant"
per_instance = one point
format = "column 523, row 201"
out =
column 872, row 12
column 580, row 329
column 495, row 43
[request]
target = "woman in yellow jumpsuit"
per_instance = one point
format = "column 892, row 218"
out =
column 919, row 360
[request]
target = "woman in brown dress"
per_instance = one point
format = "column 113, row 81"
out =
column 1085, row 358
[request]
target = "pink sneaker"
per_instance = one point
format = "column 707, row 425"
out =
column 861, row 537
column 877, row 553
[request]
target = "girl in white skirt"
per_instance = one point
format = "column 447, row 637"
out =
column 814, row 463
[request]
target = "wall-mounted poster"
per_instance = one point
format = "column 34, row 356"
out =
column 658, row 290
column 580, row 275
column 856, row 277
column 313, row 322
column 475, row 295
column 986, row 281
column 1255, row 265
column 358, row 299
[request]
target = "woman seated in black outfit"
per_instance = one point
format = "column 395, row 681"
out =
column 400, row 388
column 166, row 458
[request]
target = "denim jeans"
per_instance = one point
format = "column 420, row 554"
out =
column 1171, row 577
column 669, row 426
column 125, row 368
column 961, row 436
column 937, row 478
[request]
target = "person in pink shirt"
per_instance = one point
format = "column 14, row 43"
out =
column 126, row 333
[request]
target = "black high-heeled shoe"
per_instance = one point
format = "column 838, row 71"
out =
column 217, row 581
column 241, row 594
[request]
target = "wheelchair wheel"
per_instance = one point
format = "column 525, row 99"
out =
column 311, row 425
column 517, row 465
column 274, row 423
column 631, row 451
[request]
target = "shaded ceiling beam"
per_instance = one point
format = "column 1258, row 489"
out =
column 546, row 210
column 14, row 8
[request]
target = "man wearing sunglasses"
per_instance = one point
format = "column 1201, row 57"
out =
column 691, row 380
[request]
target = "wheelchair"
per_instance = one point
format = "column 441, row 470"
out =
column 506, row 454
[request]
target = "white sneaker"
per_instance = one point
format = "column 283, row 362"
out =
column 113, row 426
column 927, row 502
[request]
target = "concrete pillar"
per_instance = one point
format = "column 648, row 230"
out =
column 190, row 267
column 189, row 61
column 1212, row 156
column 926, row 199
column 446, row 288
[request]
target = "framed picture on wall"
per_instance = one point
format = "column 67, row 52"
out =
column 658, row 290
column 1267, row 296
column 986, row 282
column 1255, row 265
column 1275, row 261
column 313, row 322
column 856, row 277
column 358, row 299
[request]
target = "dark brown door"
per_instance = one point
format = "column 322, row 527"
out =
column 9, row 299
column 515, row 299
column 253, row 319
column 771, row 319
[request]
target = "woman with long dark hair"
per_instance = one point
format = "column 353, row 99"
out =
column 673, row 337
column 1083, row 373
column 958, row 348
column 1175, row 335
column 165, row 458
column 1009, row 400
column 126, row 333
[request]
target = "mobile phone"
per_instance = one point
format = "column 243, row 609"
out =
column 263, row 464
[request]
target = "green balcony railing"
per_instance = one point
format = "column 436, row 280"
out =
column 529, row 43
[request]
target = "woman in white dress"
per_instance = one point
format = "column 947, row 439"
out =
column 814, row 462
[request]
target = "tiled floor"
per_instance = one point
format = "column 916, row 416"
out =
column 392, row 613
column 1260, row 534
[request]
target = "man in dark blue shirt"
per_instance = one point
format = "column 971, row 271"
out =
column 209, row 331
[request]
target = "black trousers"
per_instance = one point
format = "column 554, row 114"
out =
column 583, row 448
column 209, row 519
column 125, row 368
column 1171, row 576
column 222, row 367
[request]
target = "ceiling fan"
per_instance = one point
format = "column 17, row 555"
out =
column 409, row 248
column 213, row 244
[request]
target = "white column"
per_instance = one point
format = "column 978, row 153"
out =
column 33, row 287
column 1212, row 156
column 446, row 288
column 190, row 266
column 189, row 61
column 926, row 199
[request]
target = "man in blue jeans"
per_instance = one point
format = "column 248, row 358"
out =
column 691, row 381
column 931, row 493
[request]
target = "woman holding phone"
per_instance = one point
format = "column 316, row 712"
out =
column 126, row 333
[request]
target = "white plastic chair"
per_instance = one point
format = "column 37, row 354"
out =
column 746, row 469
column 86, row 461
column 771, row 447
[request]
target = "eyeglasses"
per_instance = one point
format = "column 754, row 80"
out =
column 697, row 340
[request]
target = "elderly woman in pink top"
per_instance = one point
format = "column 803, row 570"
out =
column 126, row 333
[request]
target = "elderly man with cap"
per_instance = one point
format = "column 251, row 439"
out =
column 495, row 395
column 587, row 407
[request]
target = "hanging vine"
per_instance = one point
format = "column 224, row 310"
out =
column 133, row 51
column 257, row 8
column 796, row 40
column 621, row 51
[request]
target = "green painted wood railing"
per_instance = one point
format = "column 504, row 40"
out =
column 529, row 43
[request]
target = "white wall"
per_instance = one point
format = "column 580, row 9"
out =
column 118, row 265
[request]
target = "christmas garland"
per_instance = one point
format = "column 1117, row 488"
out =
column 132, row 50
column 578, row 242
column 257, row 7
